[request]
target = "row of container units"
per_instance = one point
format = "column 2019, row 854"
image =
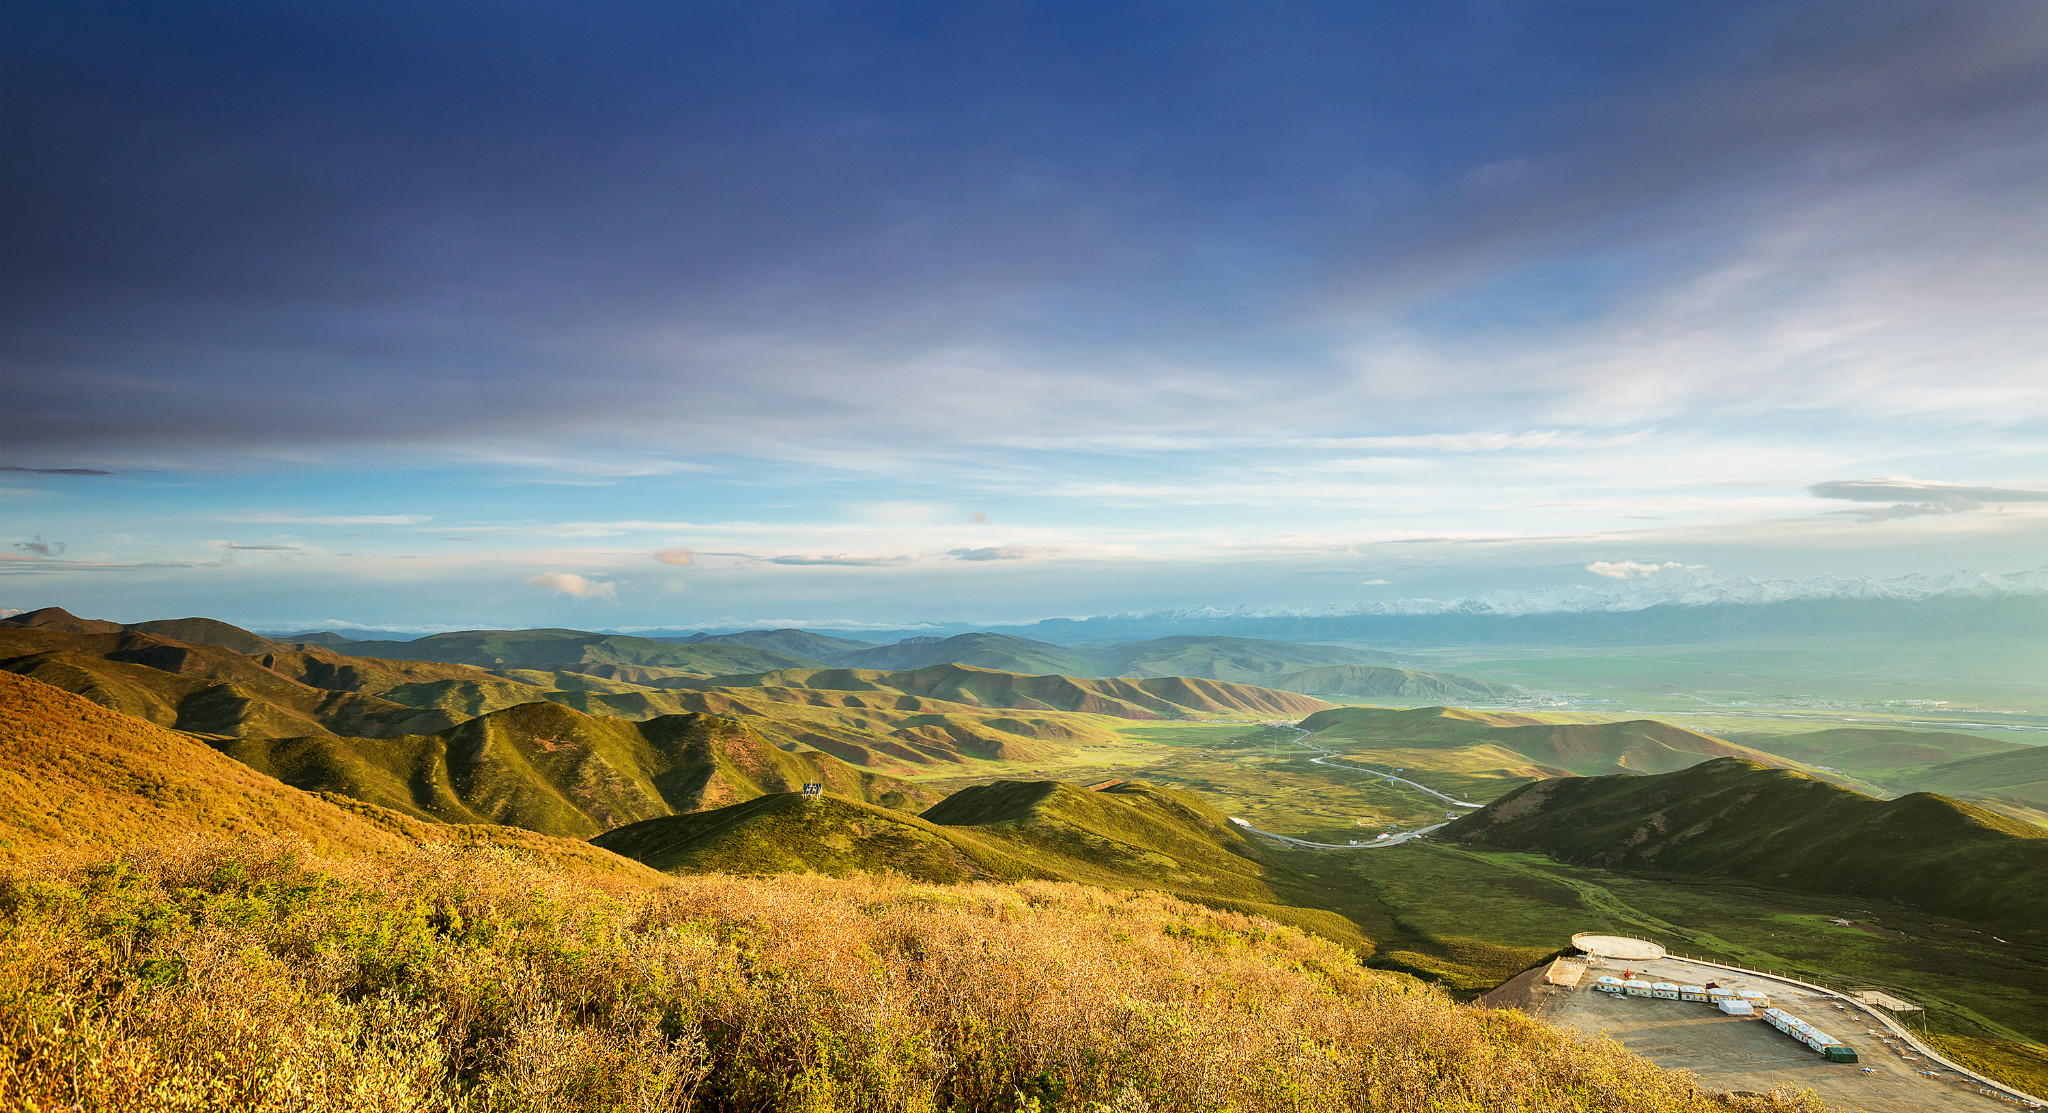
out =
column 1667, row 991
column 1810, row 1036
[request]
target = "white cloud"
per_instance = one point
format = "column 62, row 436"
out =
column 1375, row 583
column 569, row 583
column 851, row 560
column 1627, row 569
column 678, row 557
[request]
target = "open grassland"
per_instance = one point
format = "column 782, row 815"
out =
column 243, row 976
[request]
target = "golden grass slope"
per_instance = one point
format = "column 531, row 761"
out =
column 470, row 982
column 76, row 776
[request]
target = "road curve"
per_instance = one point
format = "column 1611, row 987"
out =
column 1290, row 840
column 1328, row 754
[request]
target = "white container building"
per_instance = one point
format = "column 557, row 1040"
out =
column 1637, row 987
column 1664, row 991
column 1733, row 1007
column 1608, row 983
column 1692, row 993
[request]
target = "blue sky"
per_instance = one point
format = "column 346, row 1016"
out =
column 464, row 314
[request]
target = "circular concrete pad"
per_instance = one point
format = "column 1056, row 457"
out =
column 1618, row 946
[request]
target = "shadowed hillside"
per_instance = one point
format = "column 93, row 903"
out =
column 555, row 770
column 1736, row 819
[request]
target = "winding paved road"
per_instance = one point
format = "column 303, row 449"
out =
column 1328, row 754
column 1391, row 840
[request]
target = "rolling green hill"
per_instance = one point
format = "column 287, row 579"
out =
column 1001, row 652
column 1310, row 669
column 577, row 651
column 784, row 833
column 549, row 768
column 1876, row 754
column 1583, row 749
column 1737, row 819
column 2017, row 779
column 790, row 643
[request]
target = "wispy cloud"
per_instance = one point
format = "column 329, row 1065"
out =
column 36, row 546
column 1002, row 552
column 846, row 559
column 1913, row 498
column 679, row 557
column 331, row 519
column 53, row 471
column 571, row 584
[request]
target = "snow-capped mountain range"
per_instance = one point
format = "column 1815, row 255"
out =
column 1666, row 586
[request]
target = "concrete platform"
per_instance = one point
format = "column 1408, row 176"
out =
column 1730, row 1053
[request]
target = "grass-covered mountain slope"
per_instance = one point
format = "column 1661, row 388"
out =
column 549, row 768
column 76, row 776
column 1737, row 819
column 473, row 981
column 1582, row 749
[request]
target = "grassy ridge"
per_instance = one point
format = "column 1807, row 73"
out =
column 249, row 978
column 1732, row 818
column 552, row 769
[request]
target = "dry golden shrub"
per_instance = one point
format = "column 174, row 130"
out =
column 246, row 976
